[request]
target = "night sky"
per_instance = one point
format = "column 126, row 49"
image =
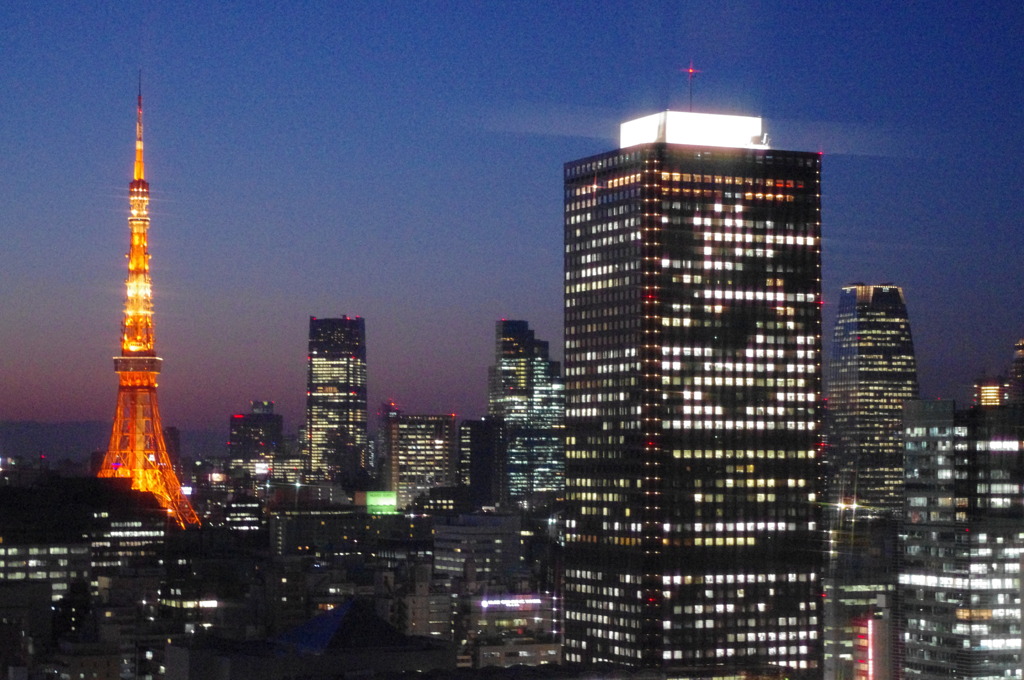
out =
column 403, row 162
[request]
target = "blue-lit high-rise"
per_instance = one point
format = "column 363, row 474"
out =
column 526, row 399
column 962, row 542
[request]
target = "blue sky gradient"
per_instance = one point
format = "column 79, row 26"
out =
column 402, row 162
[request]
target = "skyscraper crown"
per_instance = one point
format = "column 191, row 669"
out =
column 697, row 129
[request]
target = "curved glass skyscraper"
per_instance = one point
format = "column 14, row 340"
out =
column 872, row 372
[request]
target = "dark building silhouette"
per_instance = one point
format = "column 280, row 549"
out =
column 254, row 438
column 1017, row 374
column 347, row 641
column 60, row 530
column 481, row 463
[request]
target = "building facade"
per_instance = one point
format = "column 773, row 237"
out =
column 255, row 439
column 415, row 600
column 336, row 398
column 421, row 453
column 859, row 594
column 962, row 541
column 1017, row 374
column 481, row 463
column 509, row 629
column 871, row 373
column 526, row 395
column 491, row 542
column 692, row 357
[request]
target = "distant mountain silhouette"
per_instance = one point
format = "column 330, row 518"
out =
column 77, row 440
column 74, row 440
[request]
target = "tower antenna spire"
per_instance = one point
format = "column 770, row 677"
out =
column 140, row 167
column 137, row 449
column 691, row 73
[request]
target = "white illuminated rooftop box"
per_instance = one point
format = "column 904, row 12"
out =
column 697, row 129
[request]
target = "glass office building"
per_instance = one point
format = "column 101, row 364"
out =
column 693, row 411
column 871, row 373
column 962, row 542
column 336, row 398
column 526, row 396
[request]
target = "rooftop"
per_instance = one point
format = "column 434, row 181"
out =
column 696, row 129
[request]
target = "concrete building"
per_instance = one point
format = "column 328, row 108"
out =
column 421, row 454
column 489, row 543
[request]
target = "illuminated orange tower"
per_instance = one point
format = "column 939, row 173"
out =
column 137, row 449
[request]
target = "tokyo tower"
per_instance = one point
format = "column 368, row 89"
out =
column 137, row 449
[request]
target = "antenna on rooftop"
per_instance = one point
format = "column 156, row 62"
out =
column 691, row 73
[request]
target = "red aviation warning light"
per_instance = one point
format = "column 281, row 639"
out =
column 691, row 73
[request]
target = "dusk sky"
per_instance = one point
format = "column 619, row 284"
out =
column 403, row 162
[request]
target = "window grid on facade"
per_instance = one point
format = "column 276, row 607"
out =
column 692, row 353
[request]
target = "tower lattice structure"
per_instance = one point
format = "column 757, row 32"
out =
column 137, row 448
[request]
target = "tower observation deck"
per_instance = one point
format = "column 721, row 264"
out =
column 137, row 448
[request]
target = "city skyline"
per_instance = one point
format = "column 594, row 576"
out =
column 326, row 162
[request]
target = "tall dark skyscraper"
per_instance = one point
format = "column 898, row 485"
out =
column 692, row 354
column 336, row 397
column 871, row 373
column 526, row 397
